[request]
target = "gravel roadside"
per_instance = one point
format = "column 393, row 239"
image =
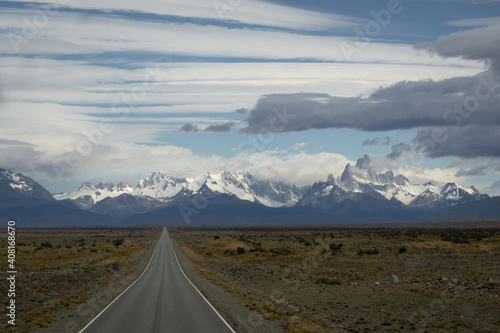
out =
column 76, row 317
column 234, row 311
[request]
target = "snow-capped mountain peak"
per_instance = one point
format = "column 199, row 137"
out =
column 363, row 178
column 355, row 181
column 246, row 187
column 17, row 185
column 454, row 191
column 162, row 187
column 86, row 186
column 16, row 181
column 88, row 195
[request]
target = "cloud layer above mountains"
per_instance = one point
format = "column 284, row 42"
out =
column 453, row 117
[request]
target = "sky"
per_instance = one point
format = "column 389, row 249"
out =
column 289, row 91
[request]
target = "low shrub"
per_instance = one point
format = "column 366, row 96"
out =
column 327, row 280
column 368, row 252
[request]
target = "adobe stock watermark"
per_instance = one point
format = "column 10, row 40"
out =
column 31, row 25
column 456, row 115
column 425, row 317
column 292, row 278
column 253, row 321
column 120, row 107
column 94, row 306
column 223, row 6
column 372, row 29
column 252, row 144
column 11, row 273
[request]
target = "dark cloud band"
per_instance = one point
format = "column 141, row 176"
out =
column 454, row 117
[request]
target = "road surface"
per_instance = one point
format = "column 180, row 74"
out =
column 162, row 299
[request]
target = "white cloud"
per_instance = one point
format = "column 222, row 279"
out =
column 220, row 87
column 477, row 22
column 412, row 165
column 299, row 145
column 297, row 168
column 124, row 160
column 64, row 35
column 117, row 160
column 243, row 11
column 439, row 176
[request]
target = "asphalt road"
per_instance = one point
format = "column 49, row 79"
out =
column 162, row 299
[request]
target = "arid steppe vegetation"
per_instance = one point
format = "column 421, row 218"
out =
column 421, row 278
column 357, row 279
column 60, row 269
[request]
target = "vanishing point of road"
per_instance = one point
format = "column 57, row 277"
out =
column 162, row 300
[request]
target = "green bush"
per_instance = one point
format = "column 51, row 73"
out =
column 335, row 248
column 240, row 250
column 327, row 280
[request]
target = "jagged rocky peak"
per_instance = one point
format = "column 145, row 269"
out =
column 105, row 186
column 184, row 192
column 86, row 186
column 364, row 172
column 330, row 179
column 152, row 179
column 208, row 189
column 401, row 180
column 123, row 186
column 426, row 198
column 236, row 177
column 347, row 177
column 389, row 177
column 363, row 163
column 161, row 179
column 453, row 188
column 474, row 189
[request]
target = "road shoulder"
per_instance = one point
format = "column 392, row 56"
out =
column 234, row 311
column 75, row 318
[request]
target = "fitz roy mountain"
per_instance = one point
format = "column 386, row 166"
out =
column 361, row 181
column 360, row 194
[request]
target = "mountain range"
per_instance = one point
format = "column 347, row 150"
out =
column 160, row 188
column 362, row 180
column 360, row 194
column 23, row 200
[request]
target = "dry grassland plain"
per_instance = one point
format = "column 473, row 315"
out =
column 59, row 270
column 314, row 279
column 357, row 279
